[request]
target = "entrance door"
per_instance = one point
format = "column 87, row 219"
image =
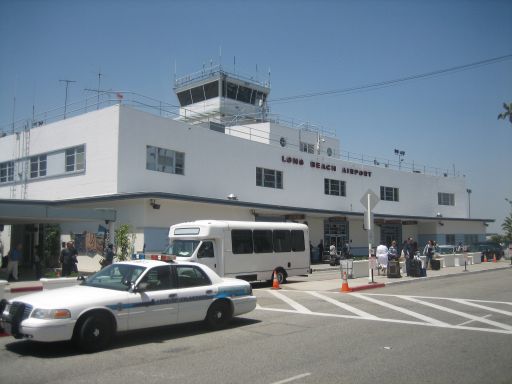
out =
column 390, row 232
column 206, row 255
column 335, row 232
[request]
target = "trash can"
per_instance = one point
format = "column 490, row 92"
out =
column 347, row 265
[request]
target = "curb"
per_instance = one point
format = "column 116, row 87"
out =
column 24, row 289
column 367, row 286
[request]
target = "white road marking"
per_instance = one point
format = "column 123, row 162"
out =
column 346, row 307
column 402, row 310
column 470, row 321
column 442, row 298
column 490, row 309
column 458, row 313
column 292, row 378
column 292, row 303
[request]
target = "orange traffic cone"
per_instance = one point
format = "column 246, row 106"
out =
column 485, row 258
column 275, row 282
column 344, row 285
column 494, row 258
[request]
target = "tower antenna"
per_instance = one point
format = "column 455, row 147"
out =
column 99, row 87
column 66, row 97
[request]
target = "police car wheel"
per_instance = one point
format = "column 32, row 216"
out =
column 95, row 333
column 219, row 315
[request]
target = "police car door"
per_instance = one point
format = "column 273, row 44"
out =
column 156, row 303
column 195, row 293
column 206, row 255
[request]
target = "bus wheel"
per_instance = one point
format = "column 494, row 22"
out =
column 281, row 275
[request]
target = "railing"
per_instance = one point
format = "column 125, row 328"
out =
column 211, row 71
column 167, row 110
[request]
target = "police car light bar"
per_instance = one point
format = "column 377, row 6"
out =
column 163, row 258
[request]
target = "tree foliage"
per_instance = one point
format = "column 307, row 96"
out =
column 507, row 227
column 123, row 242
column 507, row 114
column 51, row 245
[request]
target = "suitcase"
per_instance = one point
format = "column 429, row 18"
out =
column 436, row 264
column 394, row 269
column 415, row 268
column 423, row 272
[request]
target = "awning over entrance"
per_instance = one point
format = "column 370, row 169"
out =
column 31, row 212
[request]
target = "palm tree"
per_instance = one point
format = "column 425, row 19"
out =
column 508, row 112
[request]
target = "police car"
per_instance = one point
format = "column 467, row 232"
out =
column 126, row 296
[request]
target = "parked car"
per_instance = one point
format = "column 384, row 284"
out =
column 125, row 296
column 488, row 249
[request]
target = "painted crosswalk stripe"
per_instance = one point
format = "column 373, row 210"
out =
column 292, row 303
column 427, row 319
column 490, row 309
column 458, row 313
column 344, row 306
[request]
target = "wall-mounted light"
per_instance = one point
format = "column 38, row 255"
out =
column 439, row 214
column 232, row 196
column 154, row 204
column 441, row 223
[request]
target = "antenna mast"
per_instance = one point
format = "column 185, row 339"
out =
column 66, row 98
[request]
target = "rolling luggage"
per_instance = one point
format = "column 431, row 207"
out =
column 436, row 264
column 415, row 268
column 394, row 269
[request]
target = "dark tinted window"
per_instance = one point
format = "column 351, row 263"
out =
column 231, row 90
column 241, row 241
column 185, row 98
column 158, row 279
column 211, row 90
column 262, row 241
column 298, row 241
column 197, row 94
column 244, row 94
column 282, row 241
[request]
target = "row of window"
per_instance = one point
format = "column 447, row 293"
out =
column 267, row 241
column 230, row 90
column 74, row 161
column 165, row 160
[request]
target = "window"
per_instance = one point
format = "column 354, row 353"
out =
column 211, row 90
column 185, row 98
column 158, row 279
column 282, row 241
column 389, row 193
column 6, row 172
column 298, row 244
column 189, row 276
column 241, row 93
column 165, row 160
column 262, row 241
column 37, row 166
column 470, row 239
column 306, row 147
column 206, row 250
column 269, row 178
column 334, row 187
column 450, row 239
column 241, row 240
column 75, row 159
column 446, row 198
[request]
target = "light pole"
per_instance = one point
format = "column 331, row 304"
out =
column 469, row 201
column 400, row 155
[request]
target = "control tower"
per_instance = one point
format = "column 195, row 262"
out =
column 218, row 96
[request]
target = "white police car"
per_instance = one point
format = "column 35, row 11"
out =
column 126, row 296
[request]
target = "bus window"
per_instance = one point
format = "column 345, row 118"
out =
column 298, row 241
column 241, row 241
column 282, row 241
column 206, row 250
column 262, row 241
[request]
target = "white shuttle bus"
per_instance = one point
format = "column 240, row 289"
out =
column 246, row 250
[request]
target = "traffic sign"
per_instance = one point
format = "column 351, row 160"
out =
column 374, row 199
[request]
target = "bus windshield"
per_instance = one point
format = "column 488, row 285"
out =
column 181, row 248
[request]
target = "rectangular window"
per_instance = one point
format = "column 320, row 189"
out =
column 6, row 172
column 389, row 193
column 269, row 178
column 306, row 147
column 197, row 94
column 298, row 244
column 446, row 198
column 334, row 187
column 470, row 239
column 211, row 90
column 75, row 159
column 241, row 241
column 450, row 239
column 165, row 160
column 37, row 166
column 185, row 98
column 282, row 241
column 262, row 241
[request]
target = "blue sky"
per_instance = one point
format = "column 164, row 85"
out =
column 309, row 46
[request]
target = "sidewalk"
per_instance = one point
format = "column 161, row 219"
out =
column 362, row 283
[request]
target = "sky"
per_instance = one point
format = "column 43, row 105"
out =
column 447, row 121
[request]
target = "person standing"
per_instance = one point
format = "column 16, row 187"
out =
column 393, row 251
column 66, row 259
column 74, row 257
column 382, row 257
column 13, row 259
column 429, row 252
column 109, row 255
column 321, row 250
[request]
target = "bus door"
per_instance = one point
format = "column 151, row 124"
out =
column 207, row 255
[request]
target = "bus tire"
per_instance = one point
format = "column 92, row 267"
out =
column 281, row 275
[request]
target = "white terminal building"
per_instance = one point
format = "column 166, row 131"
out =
column 221, row 155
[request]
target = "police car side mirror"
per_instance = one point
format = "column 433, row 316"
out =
column 81, row 278
column 141, row 287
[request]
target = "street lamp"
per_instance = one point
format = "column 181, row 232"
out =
column 469, row 202
column 400, row 155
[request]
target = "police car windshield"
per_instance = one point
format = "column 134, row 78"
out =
column 181, row 248
column 115, row 276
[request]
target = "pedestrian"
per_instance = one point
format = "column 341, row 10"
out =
column 310, row 252
column 407, row 254
column 74, row 257
column 429, row 252
column 321, row 250
column 13, row 258
column 3, row 258
column 393, row 251
column 66, row 259
column 109, row 255
column 332, row 253
column 382, row 257
column 347, row 249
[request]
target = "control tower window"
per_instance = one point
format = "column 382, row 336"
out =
column 244, row 94
column 197, row 94
column 185, row 98
column 211, row 90
column 231, row 90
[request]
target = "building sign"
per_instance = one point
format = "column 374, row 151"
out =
column 325, row 166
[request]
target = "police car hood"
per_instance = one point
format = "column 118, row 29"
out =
column 69, row 297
